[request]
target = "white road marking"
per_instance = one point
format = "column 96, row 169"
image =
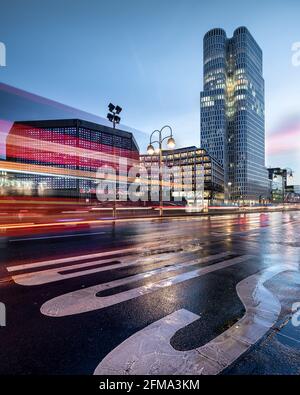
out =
column 138, row 352
column 288, row 337
column 62, row 273
column 35, row 265
column 155, row 255
column 85, row 300
column 149, row 351
column 147, row 247
column 56, row 237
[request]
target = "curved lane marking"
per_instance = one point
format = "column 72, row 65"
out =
column 85, row 300
column 149, row 350
column 67, row 272
column 34, row 265
column 142, row 256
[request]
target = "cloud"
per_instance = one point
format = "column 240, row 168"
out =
column 286, row 138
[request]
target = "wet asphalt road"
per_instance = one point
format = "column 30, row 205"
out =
column 55, row 342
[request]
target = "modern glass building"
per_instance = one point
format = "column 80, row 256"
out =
column 195, row 164
column 277, row 187
column 232, row 112
column 281, row 184
column 72, row 148
column 292, row 194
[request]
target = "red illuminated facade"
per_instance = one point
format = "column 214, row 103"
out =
column 69, row 144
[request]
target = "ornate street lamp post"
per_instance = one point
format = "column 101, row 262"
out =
column 151, row 151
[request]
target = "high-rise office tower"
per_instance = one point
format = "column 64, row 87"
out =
column 232, row 112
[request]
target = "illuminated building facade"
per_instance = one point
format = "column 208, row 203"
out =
column 11, row 185
column 292, row 194
column 71, row 145
column 232, row 112
column 194, row 162
column 277, row 186
column 282, row 186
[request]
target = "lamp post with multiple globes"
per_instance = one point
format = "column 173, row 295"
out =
column 151, row 151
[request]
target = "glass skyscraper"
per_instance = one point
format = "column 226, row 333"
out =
column 232, row 112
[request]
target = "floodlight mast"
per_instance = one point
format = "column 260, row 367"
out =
column 113, row 116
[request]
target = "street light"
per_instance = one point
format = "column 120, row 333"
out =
column 171, row 143
column 113, row 117
column 118, row 109
column 151, row 151
column 229, row 190
column 111, row 107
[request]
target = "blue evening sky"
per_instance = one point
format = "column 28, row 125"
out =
column 146, row 55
